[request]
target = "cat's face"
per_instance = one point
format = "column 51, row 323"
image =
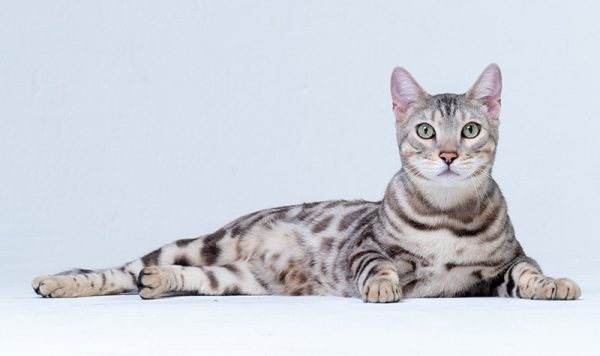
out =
column 447, row 138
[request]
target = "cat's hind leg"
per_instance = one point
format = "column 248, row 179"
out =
column 218, row 248
column 231, row 279
column 85, row 283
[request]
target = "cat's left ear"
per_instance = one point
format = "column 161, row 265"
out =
column 487, row 90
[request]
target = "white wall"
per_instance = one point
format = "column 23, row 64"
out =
column 124, row 124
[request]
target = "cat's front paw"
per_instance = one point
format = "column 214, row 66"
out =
column 549, row 288
column 154, row 281
column 54, row 286
column 381, row 290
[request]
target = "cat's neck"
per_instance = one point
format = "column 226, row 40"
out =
column 443, row 197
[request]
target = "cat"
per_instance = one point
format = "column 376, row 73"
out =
column 441, row 229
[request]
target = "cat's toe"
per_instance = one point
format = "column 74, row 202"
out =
column 38, row 283
column 35, row 284
column 152, row 282
column 566, row 289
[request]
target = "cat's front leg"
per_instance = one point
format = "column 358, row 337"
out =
column 375, row 276
column 524, row 279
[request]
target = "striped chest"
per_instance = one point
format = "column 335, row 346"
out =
column 452, row 250
column 448, row 264
column 446, row 238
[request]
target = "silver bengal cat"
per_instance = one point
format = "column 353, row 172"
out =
column 441, row 229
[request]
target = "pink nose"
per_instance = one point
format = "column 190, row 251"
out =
column 448, row 157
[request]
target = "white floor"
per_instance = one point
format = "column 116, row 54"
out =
column 127, row 325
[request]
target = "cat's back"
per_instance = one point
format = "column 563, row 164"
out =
column 307, row 221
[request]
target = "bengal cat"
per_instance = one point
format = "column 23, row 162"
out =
column 441, row 229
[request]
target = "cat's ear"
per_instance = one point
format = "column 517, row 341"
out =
column 405, row 92
column 487, row 90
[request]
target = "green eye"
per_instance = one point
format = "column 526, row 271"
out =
column 471, row 130
column 425, row 131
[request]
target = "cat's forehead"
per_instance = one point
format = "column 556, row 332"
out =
column 446, row 104
column 446, row 109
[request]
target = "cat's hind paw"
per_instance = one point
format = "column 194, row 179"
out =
column 54, row 286
column 154, row 281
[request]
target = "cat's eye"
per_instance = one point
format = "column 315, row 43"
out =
column 471, row 130
column 425, row 131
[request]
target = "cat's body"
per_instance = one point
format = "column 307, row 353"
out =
column 441, row 230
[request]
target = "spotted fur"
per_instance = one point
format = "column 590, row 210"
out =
column 441, row 230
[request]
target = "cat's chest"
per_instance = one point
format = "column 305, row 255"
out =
column 442, row 246
column 450, row 264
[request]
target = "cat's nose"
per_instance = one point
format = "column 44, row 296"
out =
column 448, row 157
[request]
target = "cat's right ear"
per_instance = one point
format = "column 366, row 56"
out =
column 405, row 92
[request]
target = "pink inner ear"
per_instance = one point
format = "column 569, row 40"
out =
column 405, row 92
column 493, row 104
column 488, row 89
column 399, row 110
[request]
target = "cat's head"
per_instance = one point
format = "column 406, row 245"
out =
column 447, row 138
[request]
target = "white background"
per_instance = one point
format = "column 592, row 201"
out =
column 127, row 124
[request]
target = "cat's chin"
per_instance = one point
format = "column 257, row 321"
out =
column 448, row 178
column 449, row 181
